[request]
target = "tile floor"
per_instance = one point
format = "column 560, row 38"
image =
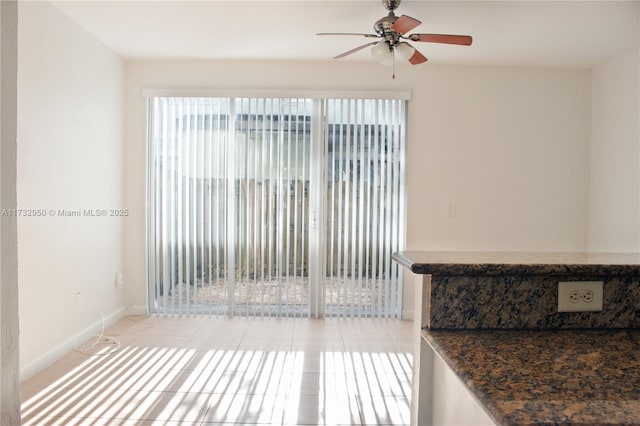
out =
column 232, row 371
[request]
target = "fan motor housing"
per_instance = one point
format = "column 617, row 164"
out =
column 383, row 28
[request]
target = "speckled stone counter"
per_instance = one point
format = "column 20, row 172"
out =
column 493, row 319
column 548, row 377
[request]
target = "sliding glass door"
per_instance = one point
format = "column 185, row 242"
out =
column 275, row 207
column 364, row 143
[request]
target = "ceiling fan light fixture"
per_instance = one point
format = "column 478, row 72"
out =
column 404, row 51
column 382, row 53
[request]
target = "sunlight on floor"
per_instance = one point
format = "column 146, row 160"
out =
column 195, row 370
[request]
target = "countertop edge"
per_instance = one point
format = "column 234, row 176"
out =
column 519, row 263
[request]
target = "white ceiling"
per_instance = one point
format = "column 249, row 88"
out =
column 520, row 33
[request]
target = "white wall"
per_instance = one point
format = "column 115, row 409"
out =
column 505, row 148
column 70, row 156
column 498, row 159
column 614, row 219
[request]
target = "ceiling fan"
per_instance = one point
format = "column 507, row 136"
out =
column 391, row 31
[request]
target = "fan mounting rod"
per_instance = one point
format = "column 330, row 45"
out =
column 391, row 5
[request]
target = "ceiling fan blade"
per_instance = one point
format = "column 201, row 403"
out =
column 349, row 34
column 342, row 55
column 463, row 40
column 404, row 24
column 417, row 58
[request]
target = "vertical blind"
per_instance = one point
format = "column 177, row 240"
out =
column 364, row 142
column 238, row 188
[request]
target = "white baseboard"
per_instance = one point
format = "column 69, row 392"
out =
column 62, row 349
column 137, row 310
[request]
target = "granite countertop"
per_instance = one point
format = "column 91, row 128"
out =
column 518, row 263
column 548, row 376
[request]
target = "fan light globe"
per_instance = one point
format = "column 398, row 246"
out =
column 404, row 51
column 382, row 53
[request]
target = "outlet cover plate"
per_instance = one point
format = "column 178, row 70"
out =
column 580, row 296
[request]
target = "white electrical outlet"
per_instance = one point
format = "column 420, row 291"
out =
column 580, row 296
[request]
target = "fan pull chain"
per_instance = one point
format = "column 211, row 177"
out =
column 393, row 56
